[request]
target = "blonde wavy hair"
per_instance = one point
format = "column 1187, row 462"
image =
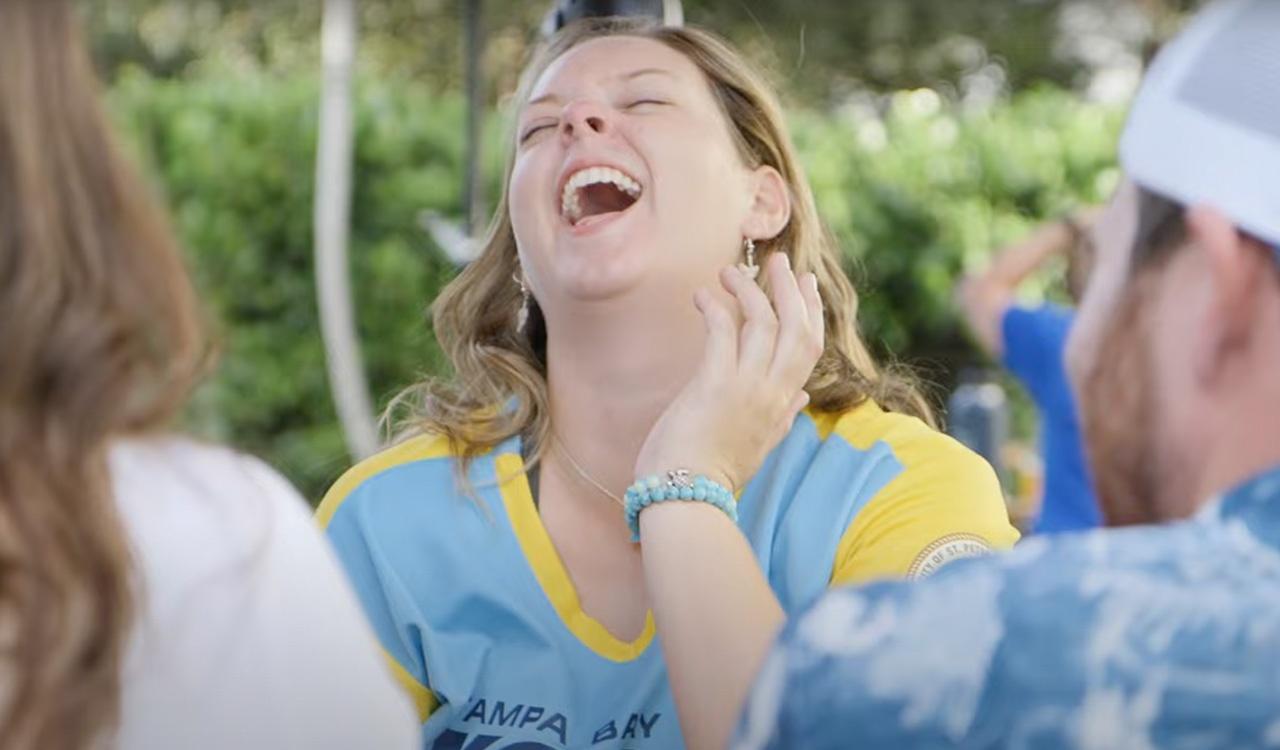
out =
column 101, row 336
column 499, row 388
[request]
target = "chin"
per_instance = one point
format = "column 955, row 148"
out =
column 596, row 274
column 606, row 264
column 597, row 287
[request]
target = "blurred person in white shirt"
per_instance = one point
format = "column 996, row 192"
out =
column 155, row 592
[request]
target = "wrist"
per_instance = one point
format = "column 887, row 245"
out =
column 1074, row 230
column 660, row 466
column 676, row 485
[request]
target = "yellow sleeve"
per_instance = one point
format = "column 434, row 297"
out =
column 423, row 699
column 945, row 505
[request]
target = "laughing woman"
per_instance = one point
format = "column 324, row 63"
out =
column 657, row 294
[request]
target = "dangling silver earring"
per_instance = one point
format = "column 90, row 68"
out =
column 749, row 268
column 522, row 316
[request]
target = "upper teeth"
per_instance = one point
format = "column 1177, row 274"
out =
column 569, row 205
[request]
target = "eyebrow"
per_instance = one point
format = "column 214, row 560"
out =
column 553, row 98
column 647, row 71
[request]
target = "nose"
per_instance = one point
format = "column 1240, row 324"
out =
column 582, row 118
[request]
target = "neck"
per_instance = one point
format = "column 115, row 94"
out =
column 1246, row 438
column 612, row 372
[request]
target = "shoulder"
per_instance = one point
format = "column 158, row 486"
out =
column 923, row 454
column 867, row 424
column 1027, row 331
column 399, row 468
column 177, row 460
column 978, row 648
column 1047, row 316
column 171, row 491
column 931, row 500
column 235, row 576
column 994, row 647
column 1047, row 596
column 193, row 508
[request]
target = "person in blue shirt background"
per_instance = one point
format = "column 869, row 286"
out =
column 1030, row 342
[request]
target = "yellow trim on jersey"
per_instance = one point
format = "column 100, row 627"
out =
column 550, row 571
column 945, row 493
column 418, row 448
column 423, row 699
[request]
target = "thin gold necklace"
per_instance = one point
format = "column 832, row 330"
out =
column 583, row 472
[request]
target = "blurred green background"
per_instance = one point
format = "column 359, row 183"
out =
column 933, row 132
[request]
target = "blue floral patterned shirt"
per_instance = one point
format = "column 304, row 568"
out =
column 1151, row 637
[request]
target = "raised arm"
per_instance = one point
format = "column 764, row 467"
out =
column 984, row 296
column 715, row 612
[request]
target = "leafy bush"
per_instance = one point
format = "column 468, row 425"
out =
column 915, row 195
column 926, row 191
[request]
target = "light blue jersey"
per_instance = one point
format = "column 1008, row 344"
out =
column 484, row 628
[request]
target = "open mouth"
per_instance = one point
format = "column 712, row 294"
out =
column 597, row 191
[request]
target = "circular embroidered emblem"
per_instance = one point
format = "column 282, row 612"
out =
column 947, row 550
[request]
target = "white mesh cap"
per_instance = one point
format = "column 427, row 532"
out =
column 1205, row 127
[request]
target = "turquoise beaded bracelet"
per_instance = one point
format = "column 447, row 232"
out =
column 679, row 485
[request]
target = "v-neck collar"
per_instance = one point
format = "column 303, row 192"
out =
column 545, row 563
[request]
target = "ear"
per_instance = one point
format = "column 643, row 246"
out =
column 770, row 207
column 1235, row 269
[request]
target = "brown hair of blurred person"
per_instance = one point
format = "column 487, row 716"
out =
column 1079, row 264
column 101, row 337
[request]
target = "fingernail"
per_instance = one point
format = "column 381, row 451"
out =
column 786, row 261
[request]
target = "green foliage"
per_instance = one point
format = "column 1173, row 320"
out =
column 234, row 157
column 824, row 49
column 927, row 191
column 915, row 196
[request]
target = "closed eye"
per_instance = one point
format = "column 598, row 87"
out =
column 642, row 102
column 534, row 130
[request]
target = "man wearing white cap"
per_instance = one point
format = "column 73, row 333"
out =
column 1144, row 637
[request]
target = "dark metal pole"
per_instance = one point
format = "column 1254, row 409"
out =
column 472, row 198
